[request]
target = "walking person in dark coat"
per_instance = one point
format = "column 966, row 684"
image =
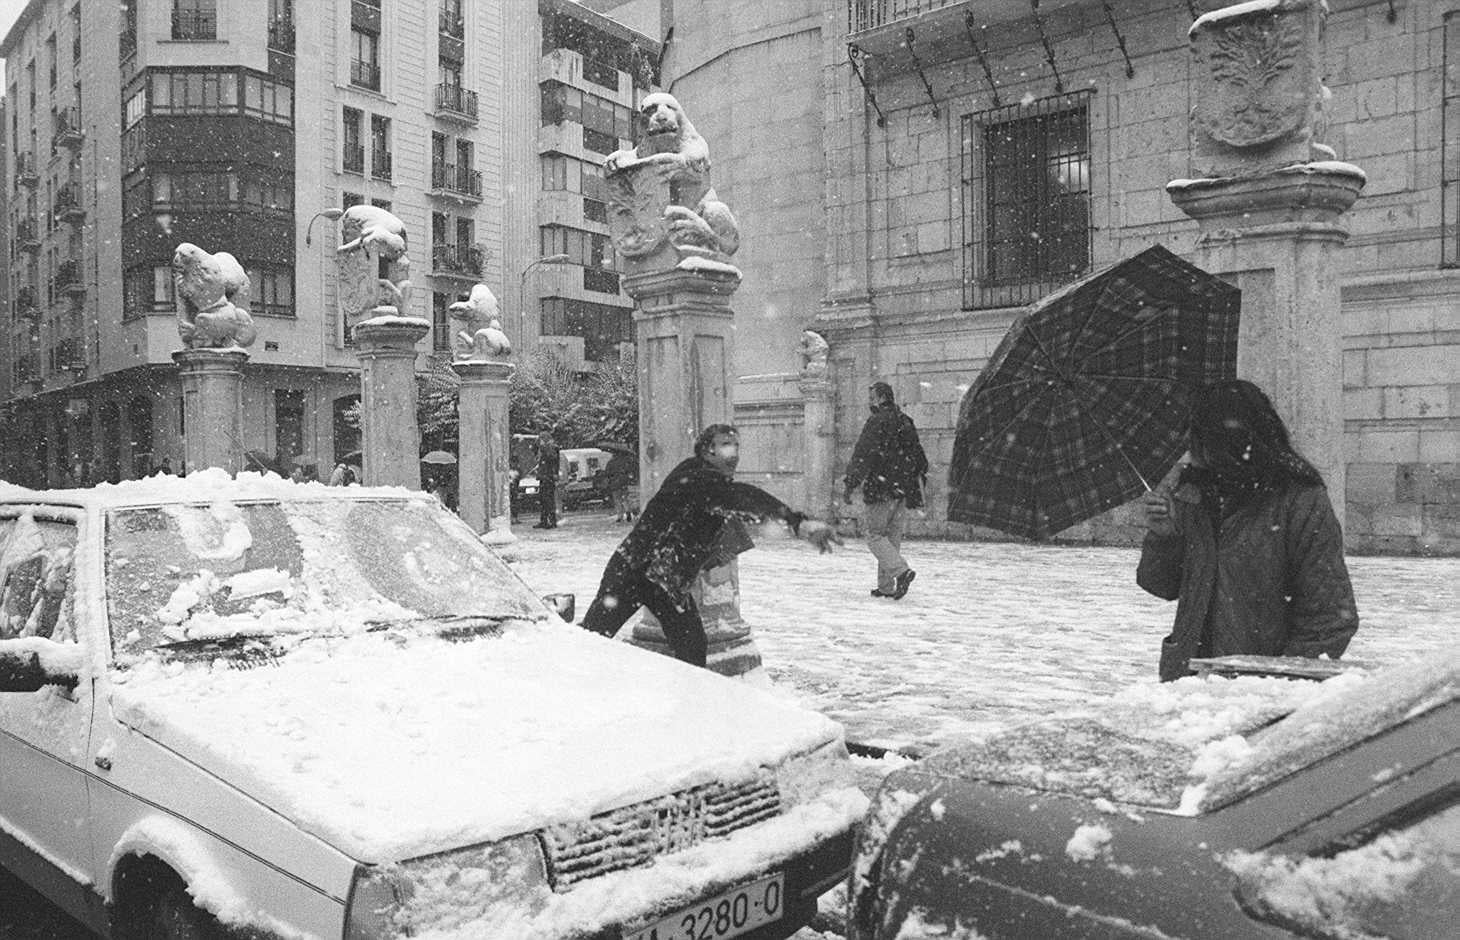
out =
column 678, row 534
column 1247, row 544
column 621, row 473
column 889, row 465
column 547, row 482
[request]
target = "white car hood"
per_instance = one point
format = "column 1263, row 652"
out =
column 394, row 748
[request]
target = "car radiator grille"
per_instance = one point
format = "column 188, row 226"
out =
column 633, row 836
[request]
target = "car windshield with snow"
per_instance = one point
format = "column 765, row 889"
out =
column 250, row 707
column 1203, row 808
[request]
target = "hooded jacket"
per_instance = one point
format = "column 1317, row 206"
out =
column 888, row 461
column 682, row 527
column 1270, row 580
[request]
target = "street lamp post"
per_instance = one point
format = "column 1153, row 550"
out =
column 522, row 289
column 331, row 214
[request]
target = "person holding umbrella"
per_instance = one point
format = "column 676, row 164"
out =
column 1247, row 544
column 547, row 481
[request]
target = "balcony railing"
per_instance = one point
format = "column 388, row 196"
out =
column 27, row 235
column 194, row 25
column 25, row 170
column 354, row 158
column 68, row 277
column 365, row 74
column 455, row 101
column 453, row 261
column 27, row 304
column 463, row 181
column 67, row 128
column 67, row 206
column 281, row 35
column 380, row 164
column 870, row 14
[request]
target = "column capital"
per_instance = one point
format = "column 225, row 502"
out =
column 483, row 371
column 384, row 336
column 1302, row 195
column 705, row 280
column 210, row 360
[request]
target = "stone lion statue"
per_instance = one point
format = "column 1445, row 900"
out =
column 372, row 236
column 695, row 221
column 212, row 299
column 814, row 352
column 476, row 330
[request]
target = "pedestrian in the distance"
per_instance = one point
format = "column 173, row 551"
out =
column 343, row 475
column 620, row 473
column 547, row 481
column 165, row 467
column 514, row 473
column 1247, row 544
column 889, row 465
column 692, row 521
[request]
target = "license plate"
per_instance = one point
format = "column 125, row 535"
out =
column 735, row 912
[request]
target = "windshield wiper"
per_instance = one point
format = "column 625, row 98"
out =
column 486, row 619
column 229, row 641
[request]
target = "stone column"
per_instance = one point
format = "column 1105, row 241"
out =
column 1269, row 204
column 684, row 335
column 212, row 388
column 819, row 427
column 483, row 483
column 390, row 440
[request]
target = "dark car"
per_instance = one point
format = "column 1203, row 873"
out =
column 1205, row 808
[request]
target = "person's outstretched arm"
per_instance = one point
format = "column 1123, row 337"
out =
column 746, row 501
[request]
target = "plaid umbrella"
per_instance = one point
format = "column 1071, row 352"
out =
column 1084, row 404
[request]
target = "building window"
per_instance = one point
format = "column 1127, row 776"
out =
column 601, row 326
column 380, row 147
column 281, row 25
column 194, row 19
column 365, row 61
column 128, row 44
column 288, row 425
column 268, row 99
column 147, row 290
column 272, row 291
column 440, row 321
column 354, row 156
column 1027, row 199
column 1450, row 151
column 194, row 92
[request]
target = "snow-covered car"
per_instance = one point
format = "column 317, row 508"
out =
column 1205, row 808
column 300, row 711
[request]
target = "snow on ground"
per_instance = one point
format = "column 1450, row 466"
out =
column 990, row 633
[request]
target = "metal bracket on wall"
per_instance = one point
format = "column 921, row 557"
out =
column 982, row 59
column 854, row 56
column 1059, row 85
column 1130, row 70
column 918, row 67
column 1393, row 13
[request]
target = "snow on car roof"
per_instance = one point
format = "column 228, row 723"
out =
column 1195, row 744
column 200, row 486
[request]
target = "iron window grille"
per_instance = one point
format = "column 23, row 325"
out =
column 1026, row 197
column 195, row 20
column 1450, row 148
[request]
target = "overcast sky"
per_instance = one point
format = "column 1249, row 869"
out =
column 9, row 10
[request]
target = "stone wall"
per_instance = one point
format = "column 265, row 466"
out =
column 893, row 214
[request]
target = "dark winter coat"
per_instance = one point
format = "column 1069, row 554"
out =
column 622, row 470
column 680, row 530
column 547, row 465
column 888, row 462
column 1271, row 581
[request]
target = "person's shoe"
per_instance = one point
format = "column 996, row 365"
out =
column 878, row 592
column 541, row 525
column 904, row 581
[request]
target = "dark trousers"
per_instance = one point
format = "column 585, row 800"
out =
column 547, row 502
column 622, row 592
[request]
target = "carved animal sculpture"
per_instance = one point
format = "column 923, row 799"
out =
column 671, row 145
column 479, row 333
column 814, row 349
column 212, row 299
column 373, row 227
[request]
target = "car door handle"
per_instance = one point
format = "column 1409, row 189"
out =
column 105, row 763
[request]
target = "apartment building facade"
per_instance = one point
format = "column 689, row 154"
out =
column 908, row 173
column 134, row 127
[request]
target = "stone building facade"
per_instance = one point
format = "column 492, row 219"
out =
column 858, row 140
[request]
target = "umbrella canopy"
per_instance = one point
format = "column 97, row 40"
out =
column 1084, row 404
column 260, row 462
column 439, row 457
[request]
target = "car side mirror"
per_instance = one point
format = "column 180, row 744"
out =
column 23, row 670
column 565, row 605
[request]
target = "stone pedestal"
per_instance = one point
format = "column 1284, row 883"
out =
column 484, row 487
column 1276, row 236
column 819, row 427
column 390, row 439
column 212, row 385
column 684, row 336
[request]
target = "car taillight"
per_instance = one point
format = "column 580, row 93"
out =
column 376, row 897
